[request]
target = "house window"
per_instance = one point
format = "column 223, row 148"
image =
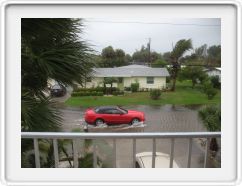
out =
column 120, row 80
column 150, row 80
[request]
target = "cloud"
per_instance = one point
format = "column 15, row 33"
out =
column 130, row 35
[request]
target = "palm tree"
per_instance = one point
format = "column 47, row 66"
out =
column 51, row 49
column 180, row 48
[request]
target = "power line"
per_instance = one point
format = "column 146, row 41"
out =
column 154, row 23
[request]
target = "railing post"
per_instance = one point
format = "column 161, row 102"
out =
column 56, row 154
column 153, row 153
column 75, row 153
column 172, row 152
column 94, row 155
column 189, row 153
column 206, row 153
column 134, row 152
column 36, row 153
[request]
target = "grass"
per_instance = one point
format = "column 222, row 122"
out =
column 184, row 95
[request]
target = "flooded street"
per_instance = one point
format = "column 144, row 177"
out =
column 166, row 118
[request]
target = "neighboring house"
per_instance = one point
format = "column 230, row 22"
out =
column 147, row 77
column 214, row 72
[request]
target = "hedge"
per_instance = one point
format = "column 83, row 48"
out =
column 116, row 93
column 76, row 94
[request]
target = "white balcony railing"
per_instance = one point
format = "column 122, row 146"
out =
column 133, row 136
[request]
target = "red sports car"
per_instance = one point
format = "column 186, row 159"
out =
column 113, row 115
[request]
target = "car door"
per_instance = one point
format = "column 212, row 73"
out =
column 118, row 117
column 106, row 115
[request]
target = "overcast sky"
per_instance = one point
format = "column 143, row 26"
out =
column 131, row 34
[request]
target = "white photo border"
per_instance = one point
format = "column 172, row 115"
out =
column 3, row 117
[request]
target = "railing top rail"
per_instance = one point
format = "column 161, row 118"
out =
column 71, row 135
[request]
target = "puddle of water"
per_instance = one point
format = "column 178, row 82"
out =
column 86, row 126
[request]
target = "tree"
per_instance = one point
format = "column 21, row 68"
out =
column 128, row 58
column 143, row 55
column 201, row 52
column 50, row 49
column 113, row 58
column 108, row 56
column 159, row 63
column 178, row 51
column 214, row 55
column 193, row 73
column 109, row 81
column 197, row 58
column 167, row 57
column 120, row 58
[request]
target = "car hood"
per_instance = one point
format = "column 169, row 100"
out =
column 162, row 160
column 134, row 111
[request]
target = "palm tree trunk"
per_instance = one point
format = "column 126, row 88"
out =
column 174, row 77
column 173, row 88
column 214, row 146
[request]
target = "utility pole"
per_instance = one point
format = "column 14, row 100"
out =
column 148, row 47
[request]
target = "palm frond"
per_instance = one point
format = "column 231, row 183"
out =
column 39, row 114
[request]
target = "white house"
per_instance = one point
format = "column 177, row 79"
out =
column 147, row 77
column 214, row 72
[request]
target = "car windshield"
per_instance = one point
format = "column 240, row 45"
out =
column 97, row 109
column 123, row 110
column 56, row 87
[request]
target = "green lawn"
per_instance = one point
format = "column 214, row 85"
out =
column 184, row 95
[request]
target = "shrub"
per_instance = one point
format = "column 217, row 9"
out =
column 215, row 82
column 155, row 94
column 97, row 89
column 127, row 88
column 209, row 90
column 134, row 87
column 211, row 117
column 109, row 90
column 75, row 94
column 94, row 93
column 100, row 89
column 99, row 94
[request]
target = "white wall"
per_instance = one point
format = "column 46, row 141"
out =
column 159, row 82
column 96, row 81
column 214, row 73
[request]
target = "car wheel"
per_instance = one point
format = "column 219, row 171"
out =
column 99, row 122
column 135, row 120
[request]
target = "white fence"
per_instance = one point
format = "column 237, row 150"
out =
column 133, row 136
